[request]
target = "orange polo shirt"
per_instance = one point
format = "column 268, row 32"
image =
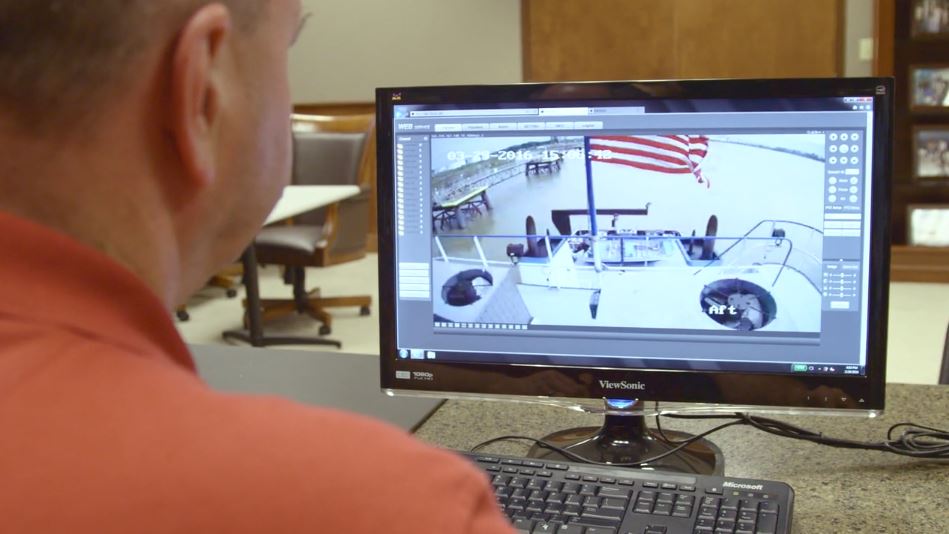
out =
column 107, row 428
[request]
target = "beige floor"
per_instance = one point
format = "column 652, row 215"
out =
column 919, row 314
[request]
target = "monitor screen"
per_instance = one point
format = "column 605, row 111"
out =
column 718, row 242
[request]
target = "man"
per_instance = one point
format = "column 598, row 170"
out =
column 142, row 143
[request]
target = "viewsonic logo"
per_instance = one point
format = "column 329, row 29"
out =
column 629, row 386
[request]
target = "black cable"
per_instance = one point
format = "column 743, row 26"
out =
column 577, row 458
column 917, row 441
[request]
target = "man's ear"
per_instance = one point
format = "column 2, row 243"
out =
column 197, row 76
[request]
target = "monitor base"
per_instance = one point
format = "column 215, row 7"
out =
column 626, row 439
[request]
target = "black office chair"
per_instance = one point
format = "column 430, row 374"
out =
column 944, row 373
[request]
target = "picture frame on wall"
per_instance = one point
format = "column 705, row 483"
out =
column 929, row 19
column 929, row 87
column 931, row 152
column 928, row 225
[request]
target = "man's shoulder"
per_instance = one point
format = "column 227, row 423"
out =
column 149, row 435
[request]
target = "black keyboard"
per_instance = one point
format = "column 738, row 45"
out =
column 541, row 496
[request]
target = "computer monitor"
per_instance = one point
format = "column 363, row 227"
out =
column 707, row 245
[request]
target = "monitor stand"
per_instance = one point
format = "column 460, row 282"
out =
column 626, row 439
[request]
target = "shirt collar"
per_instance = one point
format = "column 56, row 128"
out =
column 51, row 279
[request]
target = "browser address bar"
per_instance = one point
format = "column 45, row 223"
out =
column 473, row 112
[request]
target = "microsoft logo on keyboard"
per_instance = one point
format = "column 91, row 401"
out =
column 606, row 384
column 757, row 487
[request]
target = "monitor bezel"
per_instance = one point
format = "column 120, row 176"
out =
column 803, row 391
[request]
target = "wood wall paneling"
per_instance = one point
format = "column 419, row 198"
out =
column 646, row 39
column 758, row 38
column 602, row 40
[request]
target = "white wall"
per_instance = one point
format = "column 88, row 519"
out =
column 858, row 24
column 349, row 47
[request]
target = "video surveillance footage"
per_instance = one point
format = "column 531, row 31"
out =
column 691, row 231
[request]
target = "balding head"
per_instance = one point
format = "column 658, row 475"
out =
column 61, row 58
column 157, row 131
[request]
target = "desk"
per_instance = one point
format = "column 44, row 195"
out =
column 837, row 490
column 329, row 379
column 296, row 199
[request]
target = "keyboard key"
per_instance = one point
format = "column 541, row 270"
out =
column 662, row 509
column 574, row 500
column 714, row 490
column 555, row 497
column 588, row 489
column 725, row 524
column 767, row 523
column 711, row 501
column 544, row 528
column 668, row 486
column 768, row 506
column 730, row 515
column 705, row 522
column 626, row 482
column 607, row 480
column 600, row 530
column 572, row 476
column 666, row 497
column 589, row 478
column 747, row 515
column 536, row 484
column 617, row 493
column 746, row 525
column 595, row 522
column 557, row 467
column 523, row 525
column 681, row 510
column 643, row 507
column 612, row 515
column 509, row 461
column 651, row 485
column 487, row 459
column 687, row 488
column 708, row 511
column 527, row 472
column 614, row 504
column 545, row 474
column 685, row 499
column 570, row 529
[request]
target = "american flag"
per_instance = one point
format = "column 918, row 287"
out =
column 671, row 154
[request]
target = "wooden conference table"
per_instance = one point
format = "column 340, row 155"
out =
column 296, row 200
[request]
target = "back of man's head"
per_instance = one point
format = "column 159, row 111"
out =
column 61, row 58
column 155, row 130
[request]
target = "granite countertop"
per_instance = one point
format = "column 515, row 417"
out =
column 836, row 490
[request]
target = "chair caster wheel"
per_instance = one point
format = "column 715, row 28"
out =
column 325, row 330
column 182, row 315
column 231, row 293
column 364, row 310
